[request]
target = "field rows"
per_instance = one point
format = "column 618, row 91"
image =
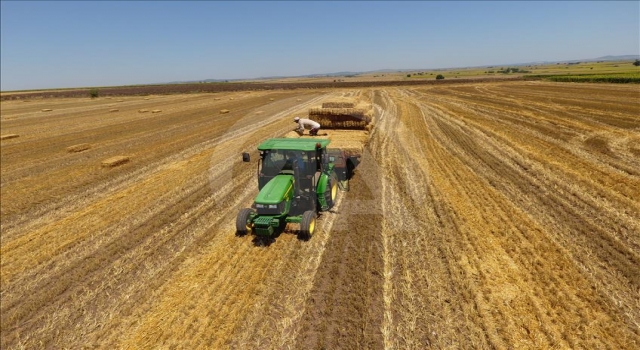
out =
column 485, row 215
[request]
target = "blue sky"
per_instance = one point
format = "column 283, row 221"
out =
column 53, row 44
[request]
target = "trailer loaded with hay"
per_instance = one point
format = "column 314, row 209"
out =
column 340, row 115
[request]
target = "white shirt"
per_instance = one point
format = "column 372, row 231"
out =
column 313, row 125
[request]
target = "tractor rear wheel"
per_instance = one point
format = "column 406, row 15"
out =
column 331, row 191
column 308, row 224
column 243, row 226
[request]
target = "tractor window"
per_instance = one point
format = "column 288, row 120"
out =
column 273, row 162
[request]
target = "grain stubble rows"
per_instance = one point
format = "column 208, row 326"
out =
column 487, row 215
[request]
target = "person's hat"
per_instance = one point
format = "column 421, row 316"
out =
column 296, row 119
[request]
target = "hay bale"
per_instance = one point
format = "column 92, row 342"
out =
column 224, row 111
column 352, row 112
column 47, row 110
column 217, row 98
column 299, row 100
column 156, row 111
column 143, row 111
column 340, row 118
column 146, row 98
column 115, row 161
column 338, row 105
column 272, row 99
column 231, row 98
column 259, row 112
column 78, row 148
column 113, row 110
column 9, row 136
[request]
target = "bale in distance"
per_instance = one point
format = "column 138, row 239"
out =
column 224, row 111
column 156, row 111
column 47, row 110
column 9, row 136
column 78, row 148
column 115, row 161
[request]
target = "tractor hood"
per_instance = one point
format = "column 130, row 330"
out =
column 276, row 190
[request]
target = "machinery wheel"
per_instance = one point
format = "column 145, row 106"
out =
column 308, row 224
column 243, row 226
column 331, row 191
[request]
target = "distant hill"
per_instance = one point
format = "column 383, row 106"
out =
column 382, row 71
column 615, row 58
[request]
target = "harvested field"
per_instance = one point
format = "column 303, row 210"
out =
column 488, row 215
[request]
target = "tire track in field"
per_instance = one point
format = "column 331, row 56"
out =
column 475, row 155
column 83, row 284
column 608, row 230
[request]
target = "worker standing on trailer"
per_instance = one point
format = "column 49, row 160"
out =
column 302, row 122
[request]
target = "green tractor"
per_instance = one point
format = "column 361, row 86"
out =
column 297, row 179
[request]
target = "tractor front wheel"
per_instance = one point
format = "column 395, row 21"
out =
column 243, row 226
column 308, row 224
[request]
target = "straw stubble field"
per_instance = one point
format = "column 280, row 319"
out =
column 487, row 215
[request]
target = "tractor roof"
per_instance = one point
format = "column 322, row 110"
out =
column 293, row 144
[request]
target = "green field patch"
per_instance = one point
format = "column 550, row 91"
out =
column 618, row 78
